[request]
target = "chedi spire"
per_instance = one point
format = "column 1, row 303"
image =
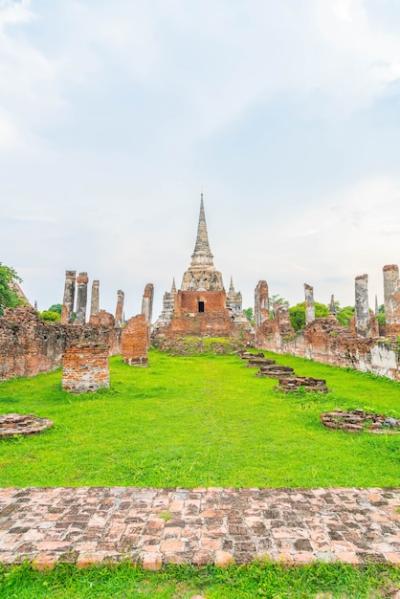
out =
column 202, row 255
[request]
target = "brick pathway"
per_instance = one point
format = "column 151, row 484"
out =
column 155, row 526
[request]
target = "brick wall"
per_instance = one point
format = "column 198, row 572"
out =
column 324, row 340
column 29, row 345
column 135, row 341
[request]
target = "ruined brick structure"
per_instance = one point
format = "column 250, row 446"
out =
column 95, row 298
column 81, row 300
column 325, row 340
column 85, row 366
column 391, row 283
column 309, row 302
column 201, row 306
column 28, row 345
column 261, row 303
column 147, row 302
column 119, row 310
column 135, row 341
column 69, row 296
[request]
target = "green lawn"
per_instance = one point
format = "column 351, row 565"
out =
column 325, row 581
column 199, row 421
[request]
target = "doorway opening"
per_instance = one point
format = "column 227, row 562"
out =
column 201, row 307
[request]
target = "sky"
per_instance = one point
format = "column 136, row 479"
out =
column 115, row 116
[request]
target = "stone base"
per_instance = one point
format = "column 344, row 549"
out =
column 357, row 421
column 21, row 424
column 137, row 361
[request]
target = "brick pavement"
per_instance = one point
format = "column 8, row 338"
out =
column 154, row 526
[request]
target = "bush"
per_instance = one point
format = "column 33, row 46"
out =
column 50, row 315
column 297, row 314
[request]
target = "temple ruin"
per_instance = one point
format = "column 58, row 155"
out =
column 201, row 307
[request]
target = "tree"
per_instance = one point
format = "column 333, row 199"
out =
column 381, row 316
column 275, row 301
column 55, row 308
column 248, row 312
column 345, row 314
column 297, row 314
column 8, row 297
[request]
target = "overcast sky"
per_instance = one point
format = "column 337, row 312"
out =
column 114, row 115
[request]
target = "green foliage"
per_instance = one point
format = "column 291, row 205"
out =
column 297, row 314
column 55, row 308
column 258, row 579
column 203, row 420
column 345, row 314
column 381, row 317
column 8, row 297
column 249, row 314
column 50, row 315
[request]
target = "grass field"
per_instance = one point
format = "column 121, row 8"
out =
column 199, row 421
column 246, row 582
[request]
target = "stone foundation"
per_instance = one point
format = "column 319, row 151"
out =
column 22, row 424
column 85, row 367
column 135, row 341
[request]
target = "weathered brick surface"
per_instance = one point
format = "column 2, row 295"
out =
column 135, row 341
column 94, row 525
column 85, row 367
column 29, row 346
column 324, row 340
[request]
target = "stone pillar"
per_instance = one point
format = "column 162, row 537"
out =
column 147, row 302
column 135, row 341
column 119, row 310
column 261, row 303
column 81, row 301
column 85, row 367
column 95, row 298
column 309, row 301
column 362, row 306
column 332, row 306
column 391, row 284
column 69, row 296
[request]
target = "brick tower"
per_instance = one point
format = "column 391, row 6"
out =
column 200, row 306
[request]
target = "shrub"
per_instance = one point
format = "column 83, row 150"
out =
column 50, row 315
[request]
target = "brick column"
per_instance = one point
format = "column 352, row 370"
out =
column 309, row 301
column 147, row 302
column 69, row 296
column 261, row 303
column 95, row 298
column 85, row 367
column 362, row 306
column 119, row 311
column 391, row 285
column 81, row 302
column 135, row 341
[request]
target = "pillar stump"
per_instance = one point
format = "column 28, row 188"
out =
column 135, row 341
column 85, row 367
